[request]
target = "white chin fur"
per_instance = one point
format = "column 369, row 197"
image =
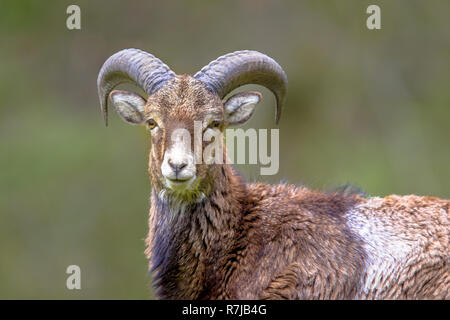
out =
column 180, row 186
column 178, row 195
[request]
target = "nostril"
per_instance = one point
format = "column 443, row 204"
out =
column 171, row 164
column 177, row 167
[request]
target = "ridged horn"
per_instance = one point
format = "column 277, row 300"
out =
column 236, row 69
column 131, row 65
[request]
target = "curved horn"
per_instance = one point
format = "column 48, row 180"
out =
column 235, row 69
column 131, row 65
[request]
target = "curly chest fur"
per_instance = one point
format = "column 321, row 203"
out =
column 218, row 249
column 189, row 253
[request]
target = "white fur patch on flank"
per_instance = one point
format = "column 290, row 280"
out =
column 386, row 248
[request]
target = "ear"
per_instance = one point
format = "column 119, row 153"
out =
column 129, row 105
column 239, row 107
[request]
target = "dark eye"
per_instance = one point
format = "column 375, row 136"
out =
column 215, row 124
column 151, row 124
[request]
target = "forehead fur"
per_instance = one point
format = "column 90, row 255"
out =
column 184, row 96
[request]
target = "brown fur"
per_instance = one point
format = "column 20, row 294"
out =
column 244, row 241
column 256, row 241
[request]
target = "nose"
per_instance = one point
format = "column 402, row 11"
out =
column 177, row 167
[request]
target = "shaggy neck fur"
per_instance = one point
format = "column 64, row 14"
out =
column 242, row 241
column 191, row 242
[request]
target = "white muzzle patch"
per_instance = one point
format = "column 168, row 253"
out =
column 178, row 167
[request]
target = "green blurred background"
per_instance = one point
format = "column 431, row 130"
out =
column 364, row 107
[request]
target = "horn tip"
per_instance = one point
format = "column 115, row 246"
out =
column 105, row 119
column 277, row 118
column 105, row 113
column 278, row 109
